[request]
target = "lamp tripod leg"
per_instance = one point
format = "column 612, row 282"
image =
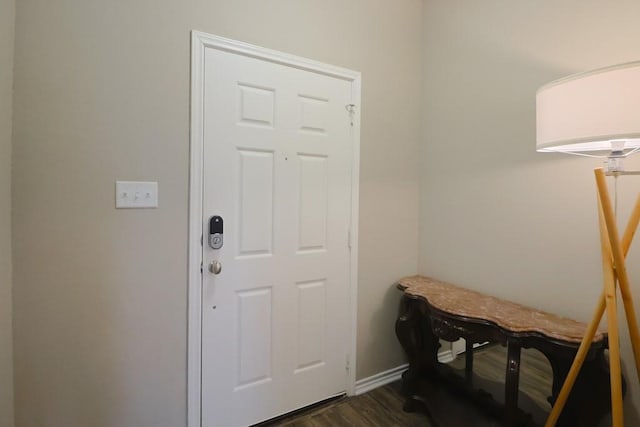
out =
column 614, row 354
column 607, row 268
column 632, row 322
column 615, row 268
column 625, row 291
column 581, row 355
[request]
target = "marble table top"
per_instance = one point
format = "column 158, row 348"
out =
column 507, row 315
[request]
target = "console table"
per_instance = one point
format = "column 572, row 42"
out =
column 432, row 310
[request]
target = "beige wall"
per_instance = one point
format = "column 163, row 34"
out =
column 102, row 93
column 496, row 215
column 7, row 9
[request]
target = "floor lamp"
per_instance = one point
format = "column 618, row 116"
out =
column 597, row 114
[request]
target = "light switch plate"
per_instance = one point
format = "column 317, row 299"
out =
column 136, row 194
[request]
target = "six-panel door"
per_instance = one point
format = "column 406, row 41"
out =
column 277, row 169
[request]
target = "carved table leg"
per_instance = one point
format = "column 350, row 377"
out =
column 421, row 347
column 512, row 382
column 590, row 398
column 468, row 360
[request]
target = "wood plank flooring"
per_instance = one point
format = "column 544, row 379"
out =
column 382, row 407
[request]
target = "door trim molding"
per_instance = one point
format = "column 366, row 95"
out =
column 199, row 42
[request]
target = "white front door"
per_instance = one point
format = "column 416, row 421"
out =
column 277, row 169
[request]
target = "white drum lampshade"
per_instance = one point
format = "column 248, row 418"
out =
column 590, row 112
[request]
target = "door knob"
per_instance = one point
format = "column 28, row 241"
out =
column 215, row 267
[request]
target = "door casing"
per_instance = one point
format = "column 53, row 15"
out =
column 199, row 42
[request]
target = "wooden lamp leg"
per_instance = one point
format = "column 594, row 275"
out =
column 581, row 355
column 577, row 364
column 619, row 261
column 614, row 349
column 612, row 314
column 625, row 292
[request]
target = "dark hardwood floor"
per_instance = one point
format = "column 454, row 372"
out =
column 382, row 407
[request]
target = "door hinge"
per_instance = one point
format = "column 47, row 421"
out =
column 351, row 108
column 349, row 239
column 347, row 365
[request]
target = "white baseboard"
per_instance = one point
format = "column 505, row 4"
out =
column 383, row 378
column 378, row 380
column 446, row 356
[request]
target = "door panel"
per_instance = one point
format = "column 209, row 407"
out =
column 312, row 211
column 311, row 318
column 254, row 336
column 255, row 198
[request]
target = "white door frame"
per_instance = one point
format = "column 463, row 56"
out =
column 199, row 42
